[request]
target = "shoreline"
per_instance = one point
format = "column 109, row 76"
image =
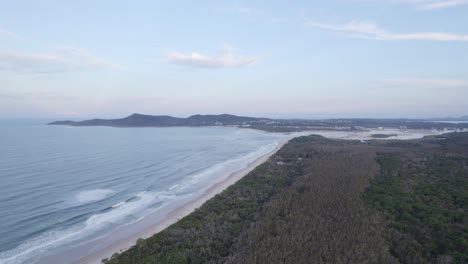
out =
column 121, row 239
column 125, row 236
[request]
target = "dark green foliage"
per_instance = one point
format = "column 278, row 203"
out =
column 427, row 207
column 320, row 217
column 309, row 204
column 310, row 138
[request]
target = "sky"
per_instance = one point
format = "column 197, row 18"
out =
column 299, row 59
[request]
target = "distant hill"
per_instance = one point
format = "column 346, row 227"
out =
column 64, row 123
column 139, row 120
column 265, row 124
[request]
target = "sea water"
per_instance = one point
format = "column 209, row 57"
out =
column 61, row 186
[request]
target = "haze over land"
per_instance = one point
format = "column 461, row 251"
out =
column 275, row 59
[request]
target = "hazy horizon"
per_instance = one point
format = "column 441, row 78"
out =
column 334, row 59
column 304, row 116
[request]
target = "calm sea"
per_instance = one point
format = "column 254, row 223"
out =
column 62, row 186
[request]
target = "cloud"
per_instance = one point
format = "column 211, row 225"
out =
column 444, row 4
column 50, row 58
column 44, row 96
column 140, row 99
column 60, row 59
column 86, row 58
column 7, row 33
column 224, row 59
column 247, row 10
column 30, row 62
column 431, row 4
column 254, row 13
column 430, row 83
column 370, row 30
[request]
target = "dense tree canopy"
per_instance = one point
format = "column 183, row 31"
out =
column 330, row 201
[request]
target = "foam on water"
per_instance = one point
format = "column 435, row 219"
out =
column 198, row 181
column 118, row 212
column 173, row 187
column 118, row 204
column 39, row 245
column 25, row 252
column 90, row 196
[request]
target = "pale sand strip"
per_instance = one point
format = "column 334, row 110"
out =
column 177, row 213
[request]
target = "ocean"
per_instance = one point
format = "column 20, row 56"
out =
column 64, row 186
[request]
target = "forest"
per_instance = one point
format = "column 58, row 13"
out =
column 331, row 201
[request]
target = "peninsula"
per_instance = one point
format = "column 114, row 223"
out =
column 267, row 124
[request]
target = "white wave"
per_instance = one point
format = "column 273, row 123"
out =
column 118, row 204
column 27, row 252
column 89, row 196
column 220, row 171
column 117, row 213
column 173, row 187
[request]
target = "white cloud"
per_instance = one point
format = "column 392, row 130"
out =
column 443, row 4
column 255, row 13
column 427, row 4
column 247, row 10
column 30, row 62
column 84, row 57
column 370, row 30
column 140, row 99
column 8, row 33
column 60, row 59
column 39, row 96
column 429, row 83
column 50, row 58
column 224, row 59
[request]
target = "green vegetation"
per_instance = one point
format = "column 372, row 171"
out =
column 331, row 201
column 320, row 217
column 426, row 203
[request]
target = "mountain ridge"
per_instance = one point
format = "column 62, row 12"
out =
column 140, row 120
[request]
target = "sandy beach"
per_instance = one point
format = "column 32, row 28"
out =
column 123, row 238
